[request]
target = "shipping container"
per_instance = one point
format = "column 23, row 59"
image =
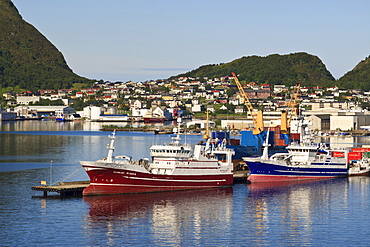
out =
column 337, row 154
column 276, row 129
column 295, row 136
column 234, row 142
column 280, row 142
column 361, row 149
column 354, row 156
column 221, row 135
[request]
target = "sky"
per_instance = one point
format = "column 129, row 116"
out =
column 139, row 40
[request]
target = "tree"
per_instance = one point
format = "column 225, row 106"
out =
column 231, row 91
column 45, row 102
column 79, row 104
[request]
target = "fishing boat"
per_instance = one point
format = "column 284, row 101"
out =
column 60, row 118
column 359, row 164
column 302, row 162
column 173, row 166
column 306, row 161
column 151, row 117
column 359, row 168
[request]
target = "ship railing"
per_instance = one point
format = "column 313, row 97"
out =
column 223, row 149
column 173, row 144
column 167, row 154
column 123, row 157
column 296, row 144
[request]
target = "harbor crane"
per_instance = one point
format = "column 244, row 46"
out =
column 287, row 116
column 257, row 116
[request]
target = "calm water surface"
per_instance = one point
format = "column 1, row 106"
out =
column 331, row 212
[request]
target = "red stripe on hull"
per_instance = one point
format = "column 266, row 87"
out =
column 110, row 181
column 154, row 120
column 276, row 178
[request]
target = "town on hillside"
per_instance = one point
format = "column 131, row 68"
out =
column 327, row 109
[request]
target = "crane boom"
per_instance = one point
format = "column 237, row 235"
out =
column 257, row 117
column 291, row 109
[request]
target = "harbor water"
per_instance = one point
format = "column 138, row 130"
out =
column 320, row 213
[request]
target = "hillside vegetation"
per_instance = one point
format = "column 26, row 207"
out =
column 273, row 69
column 359, row 77
column 27, row 59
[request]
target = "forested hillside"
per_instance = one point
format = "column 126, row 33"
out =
column 27, row 59
column 273, row 69
column 359, row 77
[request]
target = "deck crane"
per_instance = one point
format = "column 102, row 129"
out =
column 291, row 110
column 257, row 116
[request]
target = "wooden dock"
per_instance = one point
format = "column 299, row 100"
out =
column 75, row 188
column 64, row 189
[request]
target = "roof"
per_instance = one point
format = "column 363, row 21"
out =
column 48, row 108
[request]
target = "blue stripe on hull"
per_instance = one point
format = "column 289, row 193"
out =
column 260, row 168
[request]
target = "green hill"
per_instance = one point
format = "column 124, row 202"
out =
column 273, row 69
column 359, row 77
column 27, row 59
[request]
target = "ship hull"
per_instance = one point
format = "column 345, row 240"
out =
column 121, row 181
column 154, row 120
column 265, row 172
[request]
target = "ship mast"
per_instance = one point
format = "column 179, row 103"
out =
column 111, row 146
column 177, row 138
column 265, row 154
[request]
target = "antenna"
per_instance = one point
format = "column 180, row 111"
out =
column 51, row 172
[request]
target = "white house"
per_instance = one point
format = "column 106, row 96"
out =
column 197, row 108
column 137, row 112
column 239, row 109
column 210, row 108
column 136, row 104
column 26, row 100
column 161, row 111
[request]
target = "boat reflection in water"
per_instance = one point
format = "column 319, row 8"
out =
column 161, row 216
column 292, row 208
column 276, row 186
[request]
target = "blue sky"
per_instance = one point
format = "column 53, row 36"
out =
column 140, row 40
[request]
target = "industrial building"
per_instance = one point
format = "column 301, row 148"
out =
column 7, row 115
column 322, row 119
column 43, row 111
column 336, row 119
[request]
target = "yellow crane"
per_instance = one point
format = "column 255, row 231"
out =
column 257, row 116
column 291, row 110
column 206, row 135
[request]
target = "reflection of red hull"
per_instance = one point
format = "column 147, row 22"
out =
column 154, row 119
column 141, row 204
column 278, row 185
column 119, row 181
